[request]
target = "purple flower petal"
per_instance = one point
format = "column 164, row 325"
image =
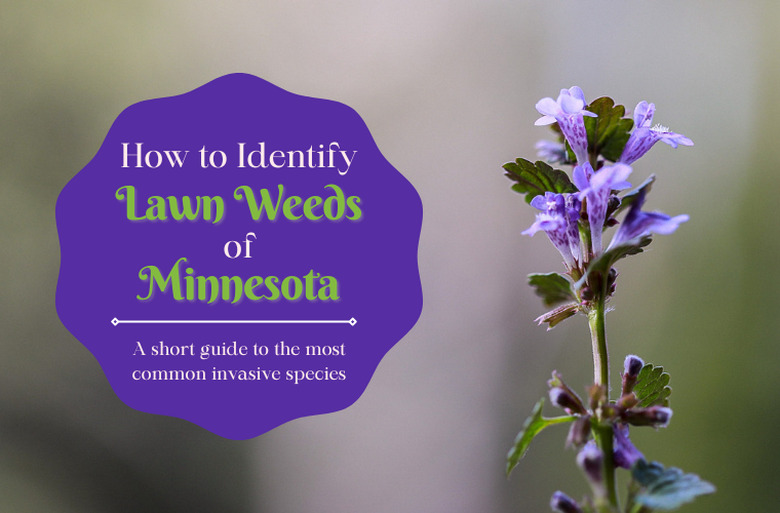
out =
column 597, row 193
column 638, row 223
column 626, row 454
column 551, row 151
column 568, row 110
column 558, row 220
column 589, row 460
column 581, row 176
column 562, row 503
column 643, row 114
column 643, row 137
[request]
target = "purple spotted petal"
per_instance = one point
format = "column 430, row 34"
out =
column 568, row 110
column 558, row 219
column 571, row 103
column 643, row 114
column 597, row 194
column 581, row 176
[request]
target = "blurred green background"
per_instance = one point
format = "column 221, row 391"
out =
column 447, row 89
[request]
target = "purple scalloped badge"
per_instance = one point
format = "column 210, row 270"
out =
column 239, row 256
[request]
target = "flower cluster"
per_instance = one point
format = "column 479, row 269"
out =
column 601, row 144
column 597, row 189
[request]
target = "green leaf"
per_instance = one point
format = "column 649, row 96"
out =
column 609, row 132
column 533, row 179
column 532, row 426
column 666, row 488
column 606, row 260
column 652, row 386
column 558, row 315
column 552, row 288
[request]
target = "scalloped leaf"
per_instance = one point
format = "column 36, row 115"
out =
column 609, row 132
column 533, row 179
column 553, row 288
column 652, row 386
column 532, row 426
column 666, row 488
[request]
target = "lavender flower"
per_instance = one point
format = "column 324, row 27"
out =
column 562, row 503
column 579, row 432
column 644, row 136
column 656, row 416
column 562, row 398
column 568, row 110
column 596, row 188
column 638, row 223
column 558, row 220
column 626, row 454
column 551, row 151
column 589, row 460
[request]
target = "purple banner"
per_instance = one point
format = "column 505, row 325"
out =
column 239, row 256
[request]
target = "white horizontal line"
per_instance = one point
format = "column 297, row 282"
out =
column 116, row 321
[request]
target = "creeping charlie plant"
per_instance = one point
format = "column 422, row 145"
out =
column 601, row 144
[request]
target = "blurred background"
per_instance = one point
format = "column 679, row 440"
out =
column 448, row 90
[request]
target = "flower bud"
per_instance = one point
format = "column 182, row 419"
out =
column 598, row 396
column 562, row 503
column 612, row 281
column 586, row 293
column 563, row 398
column 656, row 416
column 589, row 460
column 631, row 368
column 579, row 432
column 632, row 365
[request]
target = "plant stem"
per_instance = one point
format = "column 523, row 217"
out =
column 603, row 432
column 598, row 337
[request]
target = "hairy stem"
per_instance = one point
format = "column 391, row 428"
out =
column 603, row 433
column 598, row 337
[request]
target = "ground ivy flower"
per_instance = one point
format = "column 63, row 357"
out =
column 551, row 151
column 589, row 460
column 639, row 223
column 645, row 136
column 558, row 220
column 626, row 454
column 568, row 110
column 596, row 188
column 656, row 416
column 562, row 503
